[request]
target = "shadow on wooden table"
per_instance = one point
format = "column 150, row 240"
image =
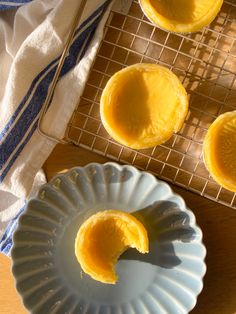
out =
column 218, row 225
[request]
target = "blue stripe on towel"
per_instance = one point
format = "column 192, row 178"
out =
column 6, row 241
column 36, row 79
column 69, row 63
column 25, row 123
column 8, row 4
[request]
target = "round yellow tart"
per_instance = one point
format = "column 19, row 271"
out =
column 181, row 16
column 220, row 150
column 143, row 105
column 103, row 237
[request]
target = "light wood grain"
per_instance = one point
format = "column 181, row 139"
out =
column 10, row 302
column 217, row 222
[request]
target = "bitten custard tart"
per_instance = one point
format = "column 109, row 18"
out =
column 143, row 105
column 181, row 16
column 220, row 150
column 103, row 237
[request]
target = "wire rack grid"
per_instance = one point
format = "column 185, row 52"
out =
column 204, row 61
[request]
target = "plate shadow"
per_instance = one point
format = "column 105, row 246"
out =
column 165, row 223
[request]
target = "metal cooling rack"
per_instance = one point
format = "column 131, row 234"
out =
column 206, row 64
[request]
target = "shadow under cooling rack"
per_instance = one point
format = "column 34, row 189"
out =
column 204, row 61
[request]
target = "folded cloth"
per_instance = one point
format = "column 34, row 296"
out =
column 32, row 38
column 17, row 207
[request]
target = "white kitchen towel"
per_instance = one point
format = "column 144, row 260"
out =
column 32, row 38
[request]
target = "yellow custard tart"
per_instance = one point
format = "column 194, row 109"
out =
column 143, row 105
column 103, row 237
column 181, row 16
column 220, row 150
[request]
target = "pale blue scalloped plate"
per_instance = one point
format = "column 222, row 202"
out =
column 50, row 280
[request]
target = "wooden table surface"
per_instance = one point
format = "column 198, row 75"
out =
column 217, row 222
